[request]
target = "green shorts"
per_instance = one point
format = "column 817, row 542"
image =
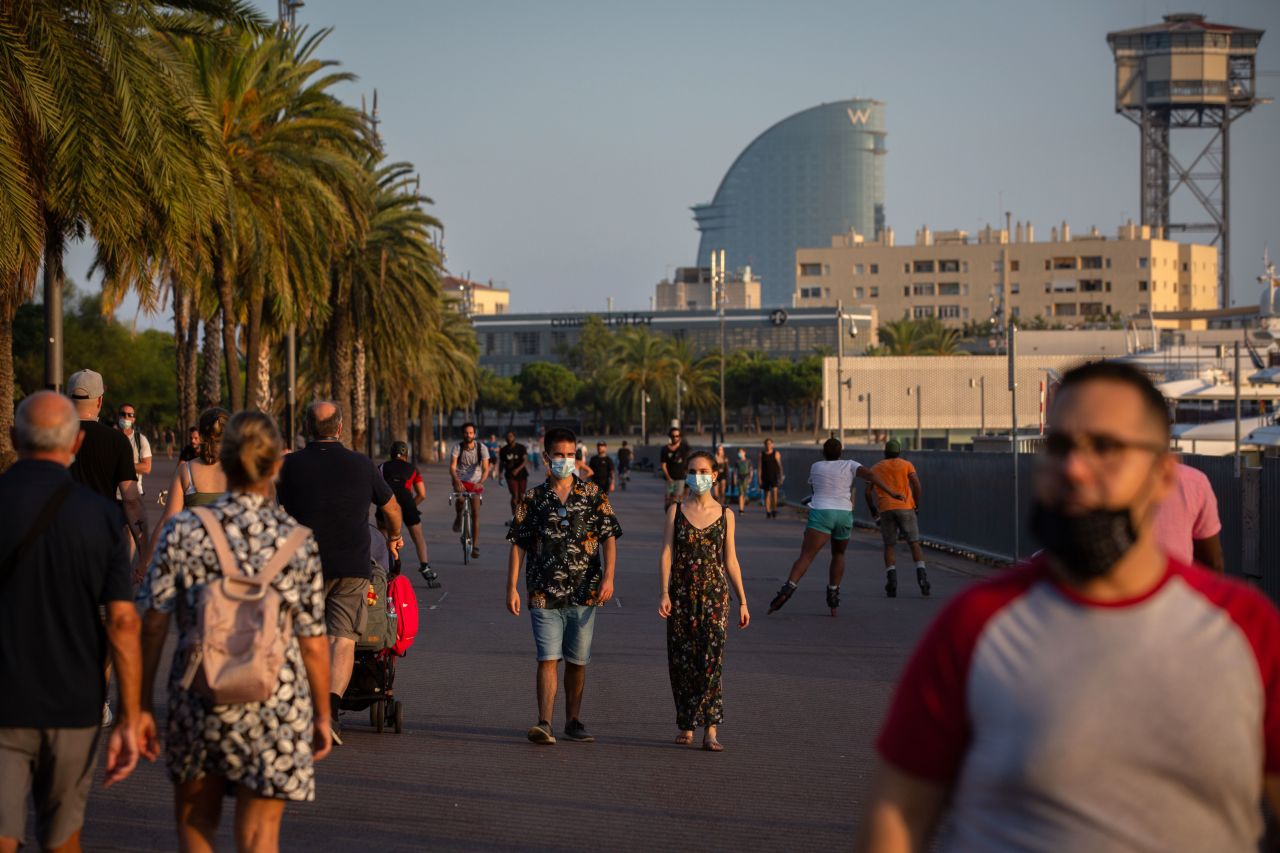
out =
column 838, row 523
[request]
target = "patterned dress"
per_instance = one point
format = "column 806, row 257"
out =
column 699, row 594
column 264, row 746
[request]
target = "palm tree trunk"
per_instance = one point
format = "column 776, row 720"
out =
column 180, row 321
column 262, row 399
column 360, row 403
column 339, row 340
column 226, row 299
column 190, row 400
column 211, row 381
column 426, row 431
column 398, row 415
column 8, row 310
column 257, row 380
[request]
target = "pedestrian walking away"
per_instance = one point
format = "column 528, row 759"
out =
column 624, row 464
column 200, row 481
column 602, row 469
column 830, row 520
column 65, row 557
column 898, row 515
column 240, row 724
column 673, row 460
column 1104, row 696
column 771, row 477
column 514, row 459
column 329, row 489
column 559, row 527
column 742, row 479
column 468, row 468
column 698, row 564
column 137, row 441
column 410, row 490
column 1187, row 524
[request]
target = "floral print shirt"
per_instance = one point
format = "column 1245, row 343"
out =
column 561, row 541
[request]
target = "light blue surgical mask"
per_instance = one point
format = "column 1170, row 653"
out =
column 561, row 469
column 699, row 483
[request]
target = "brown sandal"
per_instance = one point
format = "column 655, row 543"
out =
column 710, row 744
column 684, row 738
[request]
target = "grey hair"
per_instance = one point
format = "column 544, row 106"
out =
column 326, row 427
column 31, row 437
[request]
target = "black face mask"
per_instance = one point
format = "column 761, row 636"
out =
column 1087, row 545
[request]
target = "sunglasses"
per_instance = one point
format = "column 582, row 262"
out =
column 1059, row 445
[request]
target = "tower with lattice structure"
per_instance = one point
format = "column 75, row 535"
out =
column 1187, row 73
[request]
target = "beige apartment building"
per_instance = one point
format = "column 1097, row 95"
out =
column 1069, row 280
column 690, row 290
column 477, row 297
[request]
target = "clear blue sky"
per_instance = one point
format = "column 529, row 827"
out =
column 563, row 141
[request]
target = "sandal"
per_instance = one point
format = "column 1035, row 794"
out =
column 783, row 596
column 684, row 738
column 710, row 744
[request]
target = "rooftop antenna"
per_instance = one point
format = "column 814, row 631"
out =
column 287, row 12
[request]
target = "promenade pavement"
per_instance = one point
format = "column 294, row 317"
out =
column 804, row 696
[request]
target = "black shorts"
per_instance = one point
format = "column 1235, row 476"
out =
column 768, row 485
column 410, row 515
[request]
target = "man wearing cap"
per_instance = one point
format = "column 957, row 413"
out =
column 104, row 460
column 407, row 485
column 898, row 514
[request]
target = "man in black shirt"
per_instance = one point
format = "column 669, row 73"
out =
column 514, row 459
column 104, row 461
column 192, row 450
column 675, row 460
column 410, row 490
column 602, row 468
column 65, row 556
column 329, row 489
column 624, row 464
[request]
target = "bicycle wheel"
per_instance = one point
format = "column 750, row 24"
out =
column 466, row 537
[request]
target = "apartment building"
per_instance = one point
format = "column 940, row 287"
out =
column 477, row 297
column 1068, row 280
column 690, row 290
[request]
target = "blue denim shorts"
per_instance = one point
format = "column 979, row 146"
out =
column 564, row 632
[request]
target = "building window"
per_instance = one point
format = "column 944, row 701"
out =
column 1108, row 263
column 922, row 266
column 906, row 268
column 1143, row 263
column 921, row 311
column 527, row 343
column 949, row 288
column 1064, row 263
column 858, row 292
column 1092, row 262
column 949, row 312
column 948, row 266
column 964, row 313
column 1091, row 309
column 875, row 269
column 1108, row 287
column 964, row 266
column 810, row 270
column 925, row 289
column 857, row 269
column 1064, row 309
column 1142, row 286
column 1184, row 267
column 906, row 291
column 559, row 340
column 875, row 293
column 1015, row 311
column 1090, row 285
column 500, row 308
column 997, row 266
column 490, row 345
column 1014, row 288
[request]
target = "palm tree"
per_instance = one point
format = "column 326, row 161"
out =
column 642, row 358
column 699, row 377
column 926, row 336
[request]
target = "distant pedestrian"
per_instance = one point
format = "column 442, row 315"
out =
column 168, row 442
column 65, row 557
column 603, row 473
column 410, row 490
column 771, row 476
column 200, row 481
column 191, row 450
column 722, row 474
column 468, row 467
column 1104, row 696
column 674, row 460
column 625, row 459
column 742, row 479
column 261, row 751
column 127, row 422
column 491, row 445
column 329, row 489
column 1187, row 524
column 560, row 525
column 898, row 515
column 699, row 563
column 830, row 520
column 513, row 459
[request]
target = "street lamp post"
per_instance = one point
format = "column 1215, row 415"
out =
column 644, row 415
column 919, row 418
column 981, row 384
column 840, row 368
column 717, row 287
column 1236, row 382
column 1012, row 348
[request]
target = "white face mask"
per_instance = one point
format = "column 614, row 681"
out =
column 561, row 469
column 699, row 483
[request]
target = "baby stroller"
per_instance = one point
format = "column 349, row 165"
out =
column 390, row 630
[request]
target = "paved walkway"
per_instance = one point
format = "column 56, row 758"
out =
column 804, row 694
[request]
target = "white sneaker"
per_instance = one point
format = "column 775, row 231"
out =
column 107, row 716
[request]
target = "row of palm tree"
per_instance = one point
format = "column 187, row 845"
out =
column 207, row 156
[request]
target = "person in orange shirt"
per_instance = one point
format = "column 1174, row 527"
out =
column 897, row 515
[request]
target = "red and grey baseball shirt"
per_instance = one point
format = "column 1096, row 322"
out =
column 1068, row 724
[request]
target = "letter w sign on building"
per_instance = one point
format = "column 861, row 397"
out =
column 858, row 116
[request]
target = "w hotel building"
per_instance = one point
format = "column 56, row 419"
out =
column 1068, row 280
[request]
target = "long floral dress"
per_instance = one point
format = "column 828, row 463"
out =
column 264, row 746
column 699, row 593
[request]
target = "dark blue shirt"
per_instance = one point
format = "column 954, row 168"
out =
column 53, row 645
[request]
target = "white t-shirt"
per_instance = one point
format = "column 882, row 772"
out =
column 832, row 482
column 141, row 450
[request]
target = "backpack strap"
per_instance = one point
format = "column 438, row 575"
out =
column 37, row 527
column 231, row 566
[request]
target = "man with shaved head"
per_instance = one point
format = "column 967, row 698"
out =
column 63, row 556
column 329, row 489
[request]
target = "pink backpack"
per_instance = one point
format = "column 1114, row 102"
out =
column 237, row 648
column 400, row 591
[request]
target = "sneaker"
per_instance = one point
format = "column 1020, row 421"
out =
column 541, row 733
column 891, row 583
column 432, row 579
column 575, row 730
column 922, row 578
column 833, row 597
column 107, row 717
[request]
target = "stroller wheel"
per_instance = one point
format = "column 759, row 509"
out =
column 397, row 716
column 376, row 715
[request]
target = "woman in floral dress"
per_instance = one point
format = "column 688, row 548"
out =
column 262, row 753
column 699, row 562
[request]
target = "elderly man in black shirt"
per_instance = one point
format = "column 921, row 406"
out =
column 65, row 556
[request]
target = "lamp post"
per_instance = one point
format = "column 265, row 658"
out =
column 919, row 419
column 717, row 287
column 1011, row 348
column 981, row 384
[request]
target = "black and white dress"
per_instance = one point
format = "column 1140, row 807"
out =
column 264, row 746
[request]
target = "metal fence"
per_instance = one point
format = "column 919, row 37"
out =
column 1269, row 527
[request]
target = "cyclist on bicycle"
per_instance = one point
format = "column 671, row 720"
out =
column 468, row 466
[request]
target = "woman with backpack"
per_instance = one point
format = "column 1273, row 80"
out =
column 699, row 562
column 242, row 721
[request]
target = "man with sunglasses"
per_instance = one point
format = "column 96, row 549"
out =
column 675, row 463
column 141, row 447
column 560, row 529
column 1105, row 696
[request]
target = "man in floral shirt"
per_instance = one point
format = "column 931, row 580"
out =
column 567, row 530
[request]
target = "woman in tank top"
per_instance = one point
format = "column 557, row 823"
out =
column 200, row 481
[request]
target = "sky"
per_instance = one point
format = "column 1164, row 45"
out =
column 563, row 141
